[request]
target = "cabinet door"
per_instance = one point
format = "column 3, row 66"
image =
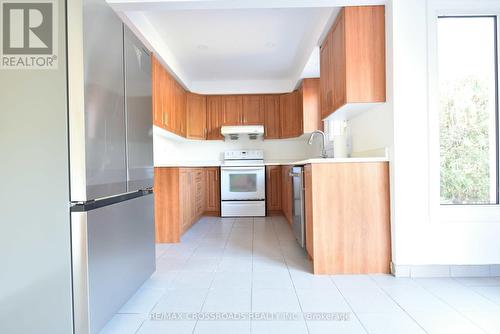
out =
column 156, row 83
column 285, row 114
column 272, row 123
column 192, row 197
column 339, row 62
column 167, row 101
column 326, row 77
column 311, row 113
column 298, row 116
column 308, row 207
column 179, row 110
column 214, row 117
column 291, row 115
column 273, row 186
column 212, row 190
column 232, row 108
column 200, row 191
column 196, row 116
column 253, row 110
column 286, row 193
column 185, row 189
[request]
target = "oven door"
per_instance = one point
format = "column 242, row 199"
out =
column 243, row 183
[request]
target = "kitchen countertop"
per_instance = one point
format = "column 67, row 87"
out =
column 216, row 163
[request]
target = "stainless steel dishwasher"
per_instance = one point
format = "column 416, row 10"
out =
column 298, row 225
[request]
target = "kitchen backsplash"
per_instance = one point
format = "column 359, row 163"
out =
column 169, row 148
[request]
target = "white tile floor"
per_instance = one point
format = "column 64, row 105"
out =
column 255, row 265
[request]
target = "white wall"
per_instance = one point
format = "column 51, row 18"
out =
column 420, row 236
column 35, row 248
column 168, row 149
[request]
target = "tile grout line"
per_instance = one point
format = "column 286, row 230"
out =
column 212, row 281
column 165, row 293
column 478, row 286
column 399, row 305
column 452, row 307
column 166, row 290
column 251, row 275
column 290, row 275
column 348, row 304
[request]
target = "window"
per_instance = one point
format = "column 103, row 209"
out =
column 468, row 109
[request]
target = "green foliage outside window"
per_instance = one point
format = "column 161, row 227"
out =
column 464, row 142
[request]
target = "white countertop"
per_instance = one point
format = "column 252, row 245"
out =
column 324, row 161
column 216, row 163
column 199, row 163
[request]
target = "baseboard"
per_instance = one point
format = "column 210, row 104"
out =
column 211, row 213
column 440, row 270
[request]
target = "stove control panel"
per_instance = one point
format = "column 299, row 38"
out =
column 244, row 155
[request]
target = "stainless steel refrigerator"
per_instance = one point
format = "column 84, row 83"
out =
column 76, row 209
column 111, row 163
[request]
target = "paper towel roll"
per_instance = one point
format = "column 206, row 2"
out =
column 340, row 149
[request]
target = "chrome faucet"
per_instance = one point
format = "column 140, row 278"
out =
column 323, row 145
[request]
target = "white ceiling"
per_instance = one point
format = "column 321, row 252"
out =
column 241, row 44
column 213, row 48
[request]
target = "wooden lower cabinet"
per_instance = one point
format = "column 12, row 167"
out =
column 348, row 217
column 308, row 210
column 180, row 200
column 286, row 193
column 273, row 189
column 212, row 191
column 185, row 190
column 169, row 209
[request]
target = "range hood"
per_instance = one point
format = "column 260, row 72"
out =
column 235, row 132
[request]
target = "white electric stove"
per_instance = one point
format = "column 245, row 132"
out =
column 243, row 184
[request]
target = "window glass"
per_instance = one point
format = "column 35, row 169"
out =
column 468, row 110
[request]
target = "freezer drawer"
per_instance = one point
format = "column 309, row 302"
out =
column 113, row 254
column 243, row 208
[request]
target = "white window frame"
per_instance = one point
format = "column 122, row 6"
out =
column 488, row 213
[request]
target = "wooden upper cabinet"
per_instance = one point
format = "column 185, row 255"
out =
column 196, row 111
column 291, row 115
column 288, row 115
column 309, row 98
column 272, row 123
column 338, row 63
column 352, row 59
column 326, row 75
column 253, row 109
column 169, row 100
column 300, row 110
column 214, row 117
column 155, row 90
column 232, row 110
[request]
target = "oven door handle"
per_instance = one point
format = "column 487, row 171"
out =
column 233, row 169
